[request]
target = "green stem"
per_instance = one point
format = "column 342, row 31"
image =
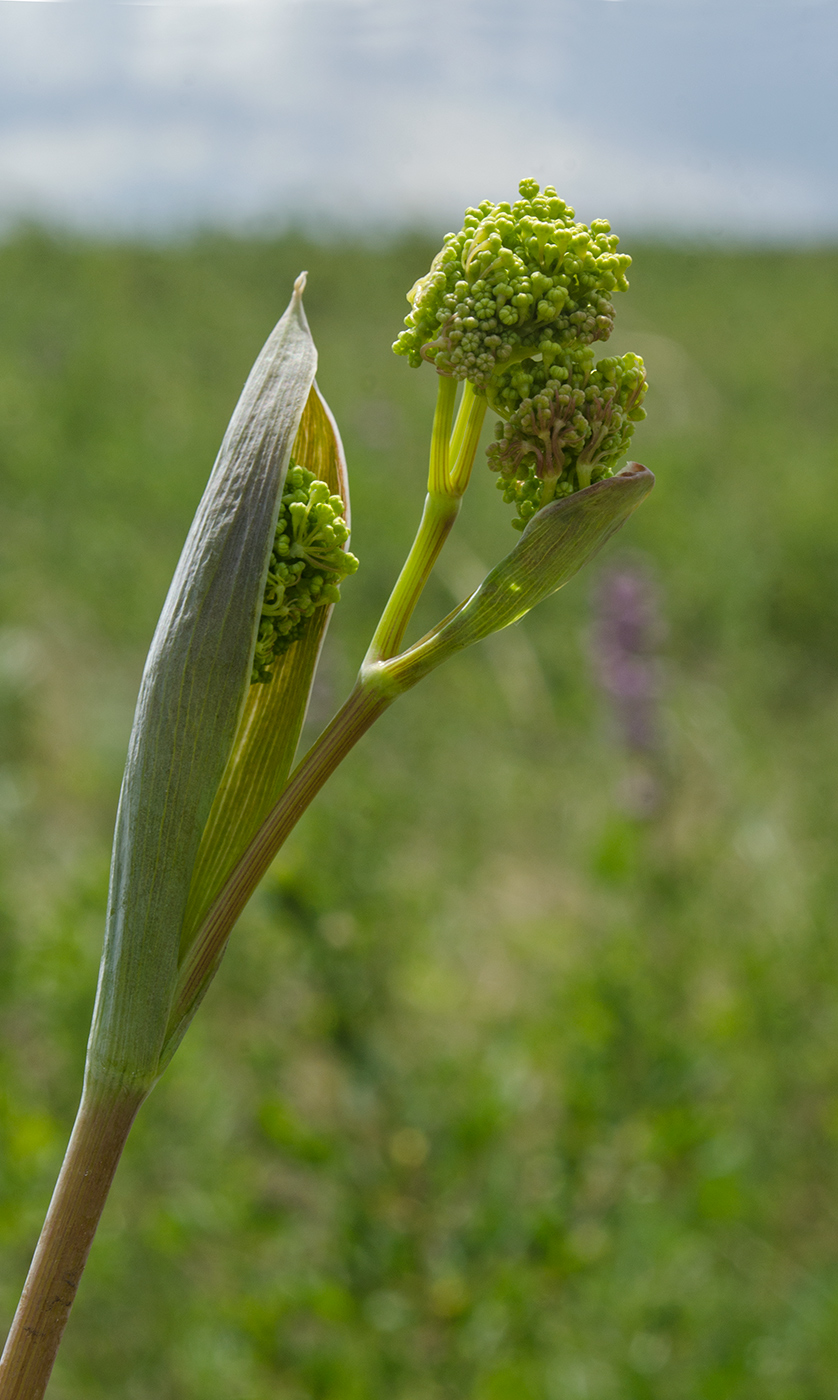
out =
column 446, row 394
column 368, row 700
column 466, row 437
column 438, row 517
column 549, row 553
column 452, row 458
column 101, row 1128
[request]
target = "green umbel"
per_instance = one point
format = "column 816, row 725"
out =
column 517, row 280
column 308, row 561
column 567, row 425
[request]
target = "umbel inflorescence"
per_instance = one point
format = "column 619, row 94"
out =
column 308, row 561
column 569, row 423
column 512, row 304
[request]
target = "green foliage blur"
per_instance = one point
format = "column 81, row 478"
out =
column 508, row 1089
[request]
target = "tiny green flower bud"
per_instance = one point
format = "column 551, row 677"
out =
column 307, row 564
column 566, row 425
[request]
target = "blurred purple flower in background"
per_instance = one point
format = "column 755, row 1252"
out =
column 626, row 637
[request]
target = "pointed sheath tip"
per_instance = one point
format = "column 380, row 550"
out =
column 295, row 309
column 635, row 469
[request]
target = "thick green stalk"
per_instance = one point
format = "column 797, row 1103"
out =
column 466, row 437
column 438, row 476
column 452, row 458
column 438, row 517
column 102, row 1125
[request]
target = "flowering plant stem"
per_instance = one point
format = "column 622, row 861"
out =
column 205, row 806
column 452, row 459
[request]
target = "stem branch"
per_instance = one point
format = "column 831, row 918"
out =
column 354, row 718
column 438, row 517
column 452, row 458
column 466, row 437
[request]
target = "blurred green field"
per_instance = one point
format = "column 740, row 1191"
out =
column 503, row 1092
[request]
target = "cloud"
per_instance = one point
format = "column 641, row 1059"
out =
column 355, row 111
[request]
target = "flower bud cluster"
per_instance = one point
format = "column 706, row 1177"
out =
column 566, row 425
column 516, row 281
column 308, row 561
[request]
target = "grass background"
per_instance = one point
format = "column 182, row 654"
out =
column 503, row 1091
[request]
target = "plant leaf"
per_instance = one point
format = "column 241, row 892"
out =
column 273, row 714
column 194, row 684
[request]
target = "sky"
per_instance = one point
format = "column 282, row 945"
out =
column 695, row 117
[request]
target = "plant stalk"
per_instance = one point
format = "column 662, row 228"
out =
column 452, row 458
column 466, row 437
column 101, row 1128
column 353, row 719
column 438, row 517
